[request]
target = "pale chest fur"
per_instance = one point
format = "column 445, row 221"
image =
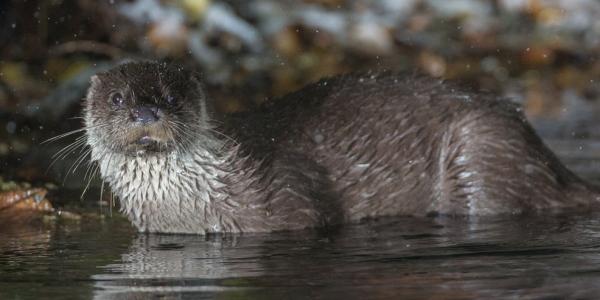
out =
column 168, row 193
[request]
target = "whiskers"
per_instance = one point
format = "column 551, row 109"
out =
column 110, row 142
column 188, row 137
column 183, row 135
column 72, row 132
column 80, row 148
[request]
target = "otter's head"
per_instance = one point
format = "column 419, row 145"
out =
column 145, row 108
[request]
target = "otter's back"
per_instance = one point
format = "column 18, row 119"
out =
column 409, row 144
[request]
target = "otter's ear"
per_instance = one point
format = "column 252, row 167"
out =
column 95, row 80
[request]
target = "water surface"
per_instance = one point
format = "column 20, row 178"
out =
column 527, row 257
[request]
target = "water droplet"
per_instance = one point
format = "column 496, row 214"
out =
column 318, row 138
column 11, row 127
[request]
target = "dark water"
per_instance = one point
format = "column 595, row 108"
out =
column 524, row 257
column 529, row 257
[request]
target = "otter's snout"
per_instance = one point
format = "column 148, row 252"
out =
column 145, row 114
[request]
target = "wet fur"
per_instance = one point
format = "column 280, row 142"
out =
column 338, row 150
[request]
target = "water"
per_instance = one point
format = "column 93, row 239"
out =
column 524, row 257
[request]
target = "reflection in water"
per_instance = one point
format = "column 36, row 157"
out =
column 423, row 258
column 178, row 263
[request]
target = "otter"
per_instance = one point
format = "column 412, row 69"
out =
column 339, row 150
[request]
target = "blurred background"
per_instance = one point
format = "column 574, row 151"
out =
column 539, row 53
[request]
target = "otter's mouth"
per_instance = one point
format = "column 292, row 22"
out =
column 147, row 144
column 146, row 140
column 153, row 139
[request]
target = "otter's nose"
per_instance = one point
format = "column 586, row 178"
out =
column 145, row 114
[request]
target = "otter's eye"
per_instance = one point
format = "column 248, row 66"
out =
column 170, row 100
column 117, row 99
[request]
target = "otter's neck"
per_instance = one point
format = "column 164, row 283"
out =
column 178, row 192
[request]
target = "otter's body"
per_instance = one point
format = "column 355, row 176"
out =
column 338, row 150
